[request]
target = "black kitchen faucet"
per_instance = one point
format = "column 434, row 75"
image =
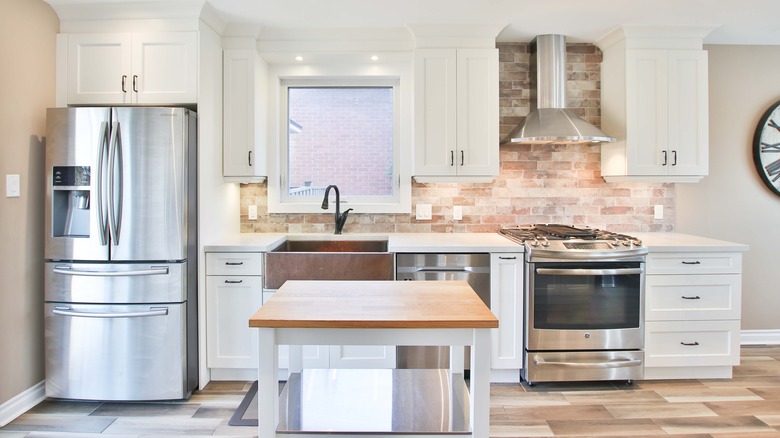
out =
column 341, row 218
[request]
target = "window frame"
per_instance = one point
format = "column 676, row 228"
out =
column 283, row 77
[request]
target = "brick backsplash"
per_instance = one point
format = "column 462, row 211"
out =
column 537, row 183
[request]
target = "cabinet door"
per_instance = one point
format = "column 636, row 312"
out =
column 688, row 124
column 164, row 67
column 477, row 113
column 362, row 356
column 99, row 68
column 244, row 100
column 506, row 302
column 231, row 301
column 647, row 112
column 435, row 104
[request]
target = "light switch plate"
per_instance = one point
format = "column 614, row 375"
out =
column 424, row 212
column 658, row 212
column 252, row 212
column 12, row 186
column 457, row 213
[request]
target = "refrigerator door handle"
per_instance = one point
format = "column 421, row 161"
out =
column 114, row 207
column 154, row 270
column 101, row 213
column 67, row 311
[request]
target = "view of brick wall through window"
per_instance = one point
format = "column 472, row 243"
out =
column 319, row 152
column 537, row 183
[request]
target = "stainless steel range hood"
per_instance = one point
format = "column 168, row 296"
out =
column 550, row 121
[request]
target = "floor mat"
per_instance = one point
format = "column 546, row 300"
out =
column 246, row 413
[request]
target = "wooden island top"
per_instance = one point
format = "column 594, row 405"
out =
column 374, row 304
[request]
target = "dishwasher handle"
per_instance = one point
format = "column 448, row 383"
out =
column 445, row 269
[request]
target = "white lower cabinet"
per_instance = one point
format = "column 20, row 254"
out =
column 234, row 291
column 692, row 314
column 506, row 302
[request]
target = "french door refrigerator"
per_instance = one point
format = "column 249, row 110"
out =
column 121, row 253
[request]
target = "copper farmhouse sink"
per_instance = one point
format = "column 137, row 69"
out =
column 328, row 260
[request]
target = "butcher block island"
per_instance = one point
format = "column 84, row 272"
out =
column 381, row 402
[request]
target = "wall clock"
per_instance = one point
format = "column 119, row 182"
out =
column 766, row 148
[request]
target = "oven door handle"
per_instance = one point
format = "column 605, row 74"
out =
column 588, row 272
column 621, row 363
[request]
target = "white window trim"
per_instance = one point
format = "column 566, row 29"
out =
column 281, row 76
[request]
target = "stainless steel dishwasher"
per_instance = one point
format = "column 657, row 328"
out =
column 473, row 268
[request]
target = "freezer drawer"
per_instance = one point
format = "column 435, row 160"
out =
column 117, row 283
column 115, row 352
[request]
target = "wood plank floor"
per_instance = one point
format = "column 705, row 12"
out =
column 746, row 406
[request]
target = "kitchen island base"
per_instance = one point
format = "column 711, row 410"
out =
column 376, row 313
column 374, row 401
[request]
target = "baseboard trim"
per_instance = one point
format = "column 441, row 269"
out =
column 22, row 403
column 760, row 337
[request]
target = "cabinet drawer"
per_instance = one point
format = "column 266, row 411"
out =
column 234, row 263
column 692, row 343
column 693, row 297
column 694, row 263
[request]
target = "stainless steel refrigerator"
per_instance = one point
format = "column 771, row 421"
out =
column 121, row 253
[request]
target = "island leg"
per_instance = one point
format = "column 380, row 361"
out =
column 480, row 383
column 267, row 385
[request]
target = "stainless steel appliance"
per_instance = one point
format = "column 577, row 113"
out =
column 472, row 268
column 584, row 298
column 121, row 253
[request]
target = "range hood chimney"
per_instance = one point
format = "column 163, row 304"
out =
column 550, row 121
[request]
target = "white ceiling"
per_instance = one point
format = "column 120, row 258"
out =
column 737, row 21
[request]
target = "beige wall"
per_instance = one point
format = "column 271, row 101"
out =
column 27, row 55
column 732, row 203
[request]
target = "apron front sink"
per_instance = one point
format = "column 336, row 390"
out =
column 325, row 259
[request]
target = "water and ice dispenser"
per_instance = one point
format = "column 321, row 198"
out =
column 71, row 201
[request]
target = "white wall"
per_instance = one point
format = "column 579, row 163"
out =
column 732, row 203
column 27, row 54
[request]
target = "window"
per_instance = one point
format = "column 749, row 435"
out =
column 342, row 131
column 342, row 136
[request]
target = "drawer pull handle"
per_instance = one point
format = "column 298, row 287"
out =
column 689, row 344
column 507, row 258
column 234, row 281
column 234, row 263
column 691, row 298
column 691, row 263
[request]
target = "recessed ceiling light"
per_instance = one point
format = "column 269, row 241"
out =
column 299, row 58
column 374, row 58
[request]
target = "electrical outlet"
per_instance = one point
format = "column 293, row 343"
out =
column 12, row 186
column 658, row 212
column 457, row 213
column 252, row 212
column 424, row 212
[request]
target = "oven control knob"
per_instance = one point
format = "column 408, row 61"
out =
column 545, row 243
column 587, row 335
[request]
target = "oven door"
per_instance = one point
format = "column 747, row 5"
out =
column 585, row 306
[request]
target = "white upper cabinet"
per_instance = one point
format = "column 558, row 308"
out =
column 456, row 114
column 244, row 136
column 654, row 101
column 131, row 68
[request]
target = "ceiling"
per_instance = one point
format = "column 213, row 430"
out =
column 735, row 21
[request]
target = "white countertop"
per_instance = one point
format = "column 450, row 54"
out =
column 460, row 242
column 397, row 242
column 677, row 242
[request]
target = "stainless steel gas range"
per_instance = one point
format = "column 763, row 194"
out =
column 584, row 303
